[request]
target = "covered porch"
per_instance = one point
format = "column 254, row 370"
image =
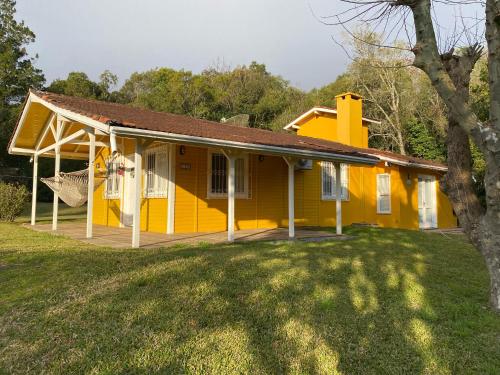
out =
column 122, row 237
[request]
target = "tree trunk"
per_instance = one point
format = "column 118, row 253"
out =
column 486, row 236
column 457, row 183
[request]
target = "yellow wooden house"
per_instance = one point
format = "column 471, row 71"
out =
column 169, row 173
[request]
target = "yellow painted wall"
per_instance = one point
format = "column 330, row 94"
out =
column 195, row 212
column 347, row 127
column 108, row 211
column 267, row 204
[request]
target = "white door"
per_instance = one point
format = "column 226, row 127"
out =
column 427, row 211
column 128, row 192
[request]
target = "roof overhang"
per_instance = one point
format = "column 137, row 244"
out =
column 410, row 164
column 106, row 129
column 243, row 146
column 62, row 113
column 294, row 125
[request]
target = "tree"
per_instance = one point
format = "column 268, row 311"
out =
column 17, row 72
column 383, row 78
column 450, row 74
column 218, row 92
column 79, row 84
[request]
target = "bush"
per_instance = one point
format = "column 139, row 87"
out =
column 13, row 199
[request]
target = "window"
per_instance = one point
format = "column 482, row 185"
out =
column 156, row 172
column 328, row 183
column 112, row 189
column 384, row 193
column 217, row 176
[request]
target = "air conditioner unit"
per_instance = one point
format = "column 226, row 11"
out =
column 304, row 164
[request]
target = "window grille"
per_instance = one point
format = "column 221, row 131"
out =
column 217, row 178
column 156, row 172
column 328, row 178
column 112, row 188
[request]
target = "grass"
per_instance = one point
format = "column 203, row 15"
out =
column 385, row 302
column 44, row 213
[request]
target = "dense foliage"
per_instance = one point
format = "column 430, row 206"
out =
column 17, row 73
column 13, row 198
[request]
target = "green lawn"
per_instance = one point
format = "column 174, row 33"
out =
column 44, row 213
column 385, row 302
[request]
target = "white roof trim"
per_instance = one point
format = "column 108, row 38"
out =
column 220, row 143
column 70, row 115
column 408, row 163
column 293, row 124
column 159, row 135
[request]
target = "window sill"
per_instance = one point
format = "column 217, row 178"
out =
column 111, row 198
column 334, row 199
column 215, row 197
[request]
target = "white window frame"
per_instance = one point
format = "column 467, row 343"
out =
column 113, row 176
column 242, row 194
column 379, row 211
column 344, row 172
column 160, row 174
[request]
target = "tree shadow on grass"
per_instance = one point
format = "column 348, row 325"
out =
column 380, row 303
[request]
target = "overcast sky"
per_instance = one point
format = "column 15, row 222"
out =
column 125, row 36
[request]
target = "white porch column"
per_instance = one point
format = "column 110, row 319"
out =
column 230, row 199
column 90, row 197
column 136, row 226
column 338, row 197
column 34, row 189
column 171, row 191
column 55, row 207
column 291, row 197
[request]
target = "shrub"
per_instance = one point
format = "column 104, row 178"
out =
column 13, row 199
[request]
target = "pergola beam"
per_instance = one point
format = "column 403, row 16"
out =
column 63, row 141
column 45, row 130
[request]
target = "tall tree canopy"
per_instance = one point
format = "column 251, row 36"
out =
column 17, row 71
column 216, row 93
column 79, row 84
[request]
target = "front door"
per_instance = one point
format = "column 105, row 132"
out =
column 128, row 192
column 427, row 202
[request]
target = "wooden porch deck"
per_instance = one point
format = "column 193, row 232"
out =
column 122, row 237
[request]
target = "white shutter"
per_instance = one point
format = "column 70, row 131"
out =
column 328, row 184
column 344, row 179
column 156, row 172
column 384, row 193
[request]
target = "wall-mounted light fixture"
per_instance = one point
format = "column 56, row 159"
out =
column 182, row 150
column 408, row 180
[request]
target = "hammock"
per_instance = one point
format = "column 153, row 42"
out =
column 72, row 187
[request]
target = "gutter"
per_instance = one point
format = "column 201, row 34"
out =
column 275, row 150
column 411, row 164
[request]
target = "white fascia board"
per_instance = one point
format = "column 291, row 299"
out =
column 293, row 124
column 410, row 164
column 76, row 117
column 21, row 121
column 219, row 143
column 73, row 116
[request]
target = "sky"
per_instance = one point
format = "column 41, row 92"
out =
column 126, row 36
